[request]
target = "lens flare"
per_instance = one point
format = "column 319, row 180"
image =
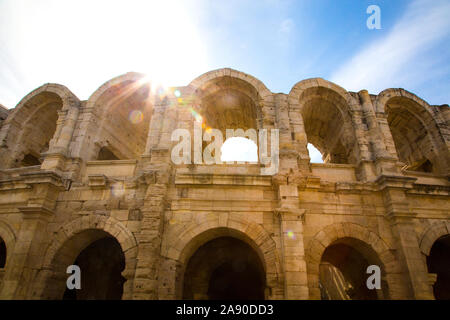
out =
column 196, row 115
column 136, row 116
column 177, row 93
column 291, row 235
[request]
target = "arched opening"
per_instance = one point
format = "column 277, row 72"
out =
column 30, row 160
column 2, row 253
column 438, row 263
column 239, row 149
column 106, row 154
column 101, row 261
column 38, row 125
column 414, row 143
column 222, row 269
column 230, row 105
column 328, row 125
column 314, row 154
column 343, row 271
column 124, row 111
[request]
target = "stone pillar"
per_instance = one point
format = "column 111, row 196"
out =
column 149, row 238
column 67, row 130
column 59, row 149
column 167, row 127
column 282, row 119
column 154, row 128
column 59, row 125
column 414, row 269
column 293, row 253
column 384, row 162
column 26, row 259
column 155, row 162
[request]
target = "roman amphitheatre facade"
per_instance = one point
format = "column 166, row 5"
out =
column 92, row 183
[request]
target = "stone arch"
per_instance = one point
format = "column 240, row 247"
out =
column 435, row 247
column 380, row 252
column 431, row 234
column 323, row 112
column 127, row 77
column 299, row 88
column 384, row 96
column 228, row 90
column 9, row 237
column 229, row 99
column 409, row 115
column 125, row 129
column 42, row 104
column 251, row 233
column 71, row 239
column 200, row 82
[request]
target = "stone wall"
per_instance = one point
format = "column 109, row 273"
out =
column 383, row 190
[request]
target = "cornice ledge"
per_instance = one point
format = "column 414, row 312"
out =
column 399, row 182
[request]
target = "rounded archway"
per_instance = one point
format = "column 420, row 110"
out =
column 327, row 120
column 34, row 135
column 367, row 243
column 101, row 264
column 101, row 261
column 232, row 102
column 70, row 241
column 417, row 139
column 438, row 263
column 224, row 268
column 31, row 127
column 121, row 111
column 343, row 271
column 2, row 253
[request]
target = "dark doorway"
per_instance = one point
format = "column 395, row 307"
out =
column 101, row 264
column 439, row 263
column 2, row 253
column 343, row 272
column 223, row 269
column 106, row 154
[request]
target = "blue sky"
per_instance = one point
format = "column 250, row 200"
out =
column 82, row 44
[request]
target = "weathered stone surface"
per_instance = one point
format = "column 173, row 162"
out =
column 73, row 173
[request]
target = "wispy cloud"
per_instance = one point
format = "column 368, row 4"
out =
column 286, row 25
column 409, row 55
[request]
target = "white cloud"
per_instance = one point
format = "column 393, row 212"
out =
column 286, row 26
column 397, row 59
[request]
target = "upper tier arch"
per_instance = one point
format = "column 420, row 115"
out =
column 127, row 77
column 300, row 87
column 202, row 81
column 37, row 111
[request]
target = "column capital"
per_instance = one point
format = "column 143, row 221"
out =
column 290, row 214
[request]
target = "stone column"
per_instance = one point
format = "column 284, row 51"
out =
column 293, row 253
column 59, row 149
column 67, row 130
column 384, row 162
column 59, row 125
column 154, row 130
column 149, row 237
column 415, row 274
column 155, row 162
column 26, row 259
